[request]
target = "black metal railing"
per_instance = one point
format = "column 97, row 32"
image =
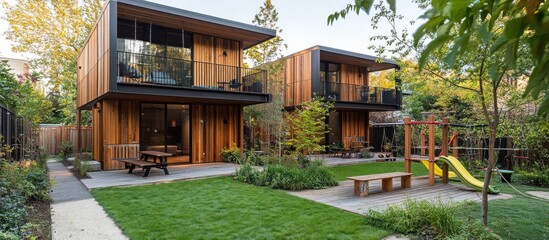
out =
column 342, row 92
column 134, row 68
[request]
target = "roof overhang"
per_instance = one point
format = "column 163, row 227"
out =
column 172, row 17
column 358, row 59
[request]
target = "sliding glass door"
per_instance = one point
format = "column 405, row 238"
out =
column 166, row 128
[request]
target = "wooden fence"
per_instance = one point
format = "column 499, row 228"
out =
column 51, row 137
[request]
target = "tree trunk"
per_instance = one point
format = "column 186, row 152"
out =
column 488, row 177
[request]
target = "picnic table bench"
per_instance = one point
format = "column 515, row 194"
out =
column 147, row 165
column 362, row 182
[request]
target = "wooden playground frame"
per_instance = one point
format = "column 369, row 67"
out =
column 408, row 123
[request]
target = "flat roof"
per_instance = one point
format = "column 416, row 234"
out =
column 335, row 55
column 260, row 34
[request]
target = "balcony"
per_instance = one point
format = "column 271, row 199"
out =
column 342, row 92
column 150, row 70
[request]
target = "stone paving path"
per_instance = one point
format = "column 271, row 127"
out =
column 541, row 194
column 75, row 213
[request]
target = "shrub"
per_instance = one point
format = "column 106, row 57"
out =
column 31, row 181
column 425, row 218
column 231, row 154
column 12, row 209
column 66, row 150
column 247, row 173
column 365, row 152
column 81, row 163
column 8, row 236
column 535, row 177
column 315, row 176
column 38, row 178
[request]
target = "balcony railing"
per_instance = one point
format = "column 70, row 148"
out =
column 143, row 69
column 342, row 92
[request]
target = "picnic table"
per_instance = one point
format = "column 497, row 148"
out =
column 144, row 162
column 362, row 182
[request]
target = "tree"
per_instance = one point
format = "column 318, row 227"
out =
column 270, row 50
column 467, row 59
column 21, row 97
column 308, row 125
column 54, row 31
column 270, row 116
column 524, row 22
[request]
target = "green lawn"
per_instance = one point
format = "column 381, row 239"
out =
column 222, row 208
column 342, row 172
column 516, row 218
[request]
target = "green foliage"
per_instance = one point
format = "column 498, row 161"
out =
column 268, row 117
column 81, row 163
column 231, row 154
column 8, row 236
column 534, row 177
column 21, row 97
column 27, row 178
column 365, row 152
column 12, row 209
column 32, row 25
column 503, row 27
column 19, row 183
column 66, row 150
column 419, row 217
column 271, row 49
column 308, row 125
column 314, row 176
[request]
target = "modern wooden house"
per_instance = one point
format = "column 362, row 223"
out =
column 167, row 79
column 343, row 77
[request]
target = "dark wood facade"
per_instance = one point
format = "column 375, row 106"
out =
column 218, row 91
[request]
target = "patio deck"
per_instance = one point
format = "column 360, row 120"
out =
column 343, row 197
column 177, row 172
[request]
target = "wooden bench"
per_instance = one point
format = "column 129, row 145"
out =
column 136, row 162
column 362, row 182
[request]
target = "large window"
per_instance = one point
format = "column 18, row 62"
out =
column 166, row 128
column 153, row 54
column 330, row 80
column 144, row 38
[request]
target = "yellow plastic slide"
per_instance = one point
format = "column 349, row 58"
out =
column 438, row 170
column 465, row 176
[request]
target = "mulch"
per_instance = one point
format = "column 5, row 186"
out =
column 40, row 217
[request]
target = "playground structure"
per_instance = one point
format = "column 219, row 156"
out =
column 448, row 161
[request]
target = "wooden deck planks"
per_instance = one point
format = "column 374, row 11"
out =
column 343, row 196
column 178, row 172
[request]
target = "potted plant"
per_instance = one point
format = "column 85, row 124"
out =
column 365, row 152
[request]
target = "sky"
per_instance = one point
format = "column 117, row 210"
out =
column 303, row 22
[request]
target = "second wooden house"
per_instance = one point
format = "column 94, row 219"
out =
column 344, row 78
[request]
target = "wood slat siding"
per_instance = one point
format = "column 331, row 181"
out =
column 116, row 122
column 213, row 128
column 297, row 79
column 113, row 151
column 350, row 77
column 355, row 124
column 93, row 62
column 51, row 137
column 208, row 49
